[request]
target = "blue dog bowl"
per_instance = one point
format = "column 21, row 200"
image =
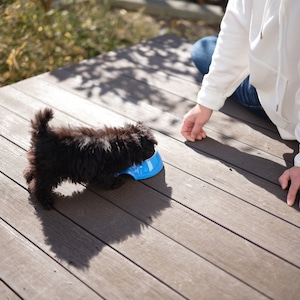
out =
column 148, row 168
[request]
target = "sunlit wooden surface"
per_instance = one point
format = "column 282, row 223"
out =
column 212, row 225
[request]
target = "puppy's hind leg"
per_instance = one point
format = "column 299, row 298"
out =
column 45, row 197
column 41, row 190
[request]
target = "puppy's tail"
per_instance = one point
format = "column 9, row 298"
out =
column 40, row 123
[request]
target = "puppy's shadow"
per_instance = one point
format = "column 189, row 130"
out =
column 83, row 223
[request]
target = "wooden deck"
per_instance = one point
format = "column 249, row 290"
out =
column 212, row 225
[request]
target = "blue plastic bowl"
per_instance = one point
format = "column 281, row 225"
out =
column 148, row 168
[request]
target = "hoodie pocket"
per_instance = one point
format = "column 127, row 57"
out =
column 267, row 80
column 271, row 87
column 262, row 76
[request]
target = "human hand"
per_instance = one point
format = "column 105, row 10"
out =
column 193, row 122
column 292, row 176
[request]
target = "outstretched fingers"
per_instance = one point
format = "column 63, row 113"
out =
column 292, row 177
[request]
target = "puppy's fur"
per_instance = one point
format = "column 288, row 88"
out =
column 82, row 155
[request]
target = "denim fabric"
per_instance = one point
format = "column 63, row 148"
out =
column 245, row 94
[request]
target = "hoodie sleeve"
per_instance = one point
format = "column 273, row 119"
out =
column 230, row 62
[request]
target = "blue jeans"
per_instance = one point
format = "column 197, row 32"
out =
column 245, row 94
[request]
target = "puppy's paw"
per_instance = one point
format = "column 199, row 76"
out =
column 47, row 202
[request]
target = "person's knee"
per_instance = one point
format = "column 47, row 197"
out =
column 202, row 51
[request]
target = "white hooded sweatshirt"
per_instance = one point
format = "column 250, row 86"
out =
column 260, row 38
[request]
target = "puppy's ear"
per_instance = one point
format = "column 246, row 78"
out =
column 146, row 133
column 142, row 128
column 138, row 128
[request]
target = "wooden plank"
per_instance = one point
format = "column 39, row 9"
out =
column 22, row 269
column 141, row 244
column 253, row 189
column 7, row 293
column 250, row 256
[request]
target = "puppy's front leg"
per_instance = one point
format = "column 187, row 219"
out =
column 116, row 182
column 109, row 182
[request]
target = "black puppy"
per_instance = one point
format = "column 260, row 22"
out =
column 82, row 155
